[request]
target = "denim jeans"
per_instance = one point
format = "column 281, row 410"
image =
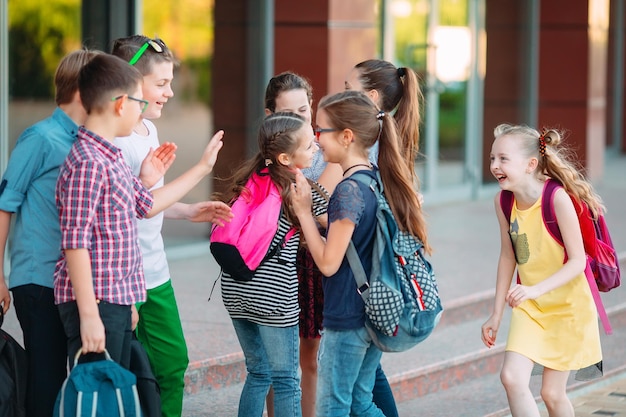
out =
column 383, row 395
column 271, row 359
column 347, row 368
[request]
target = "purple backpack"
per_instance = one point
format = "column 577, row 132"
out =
column 602, row 271
column 239, row 247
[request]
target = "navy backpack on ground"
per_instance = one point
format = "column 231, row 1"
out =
column 102, row 388
column 13, row 370
column 401, row 296
column 147, row 385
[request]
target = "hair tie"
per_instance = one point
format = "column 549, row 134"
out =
column 542, row 143
column 268, row 162
column 401, row 72
column 379, row 117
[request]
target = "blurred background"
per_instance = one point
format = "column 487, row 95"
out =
column 556, row 63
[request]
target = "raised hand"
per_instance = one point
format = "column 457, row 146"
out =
column 156, row 164
column 209, row 211
column 209, row 156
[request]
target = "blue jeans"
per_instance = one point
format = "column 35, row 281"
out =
column 271, row 359
column 347, row 369
column 383, row 395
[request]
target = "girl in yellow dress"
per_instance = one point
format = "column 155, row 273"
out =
column 553, row 321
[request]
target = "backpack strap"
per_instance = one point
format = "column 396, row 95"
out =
column 362, row 283
column 547, row 210
column 506, row 203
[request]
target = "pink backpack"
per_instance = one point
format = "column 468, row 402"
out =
column 239, row 247
column 602, row 271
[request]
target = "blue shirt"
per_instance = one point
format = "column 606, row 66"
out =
column 27, row 190
column 343, row 306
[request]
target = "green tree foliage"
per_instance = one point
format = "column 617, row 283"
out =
column 40, row 34
column 187, row 29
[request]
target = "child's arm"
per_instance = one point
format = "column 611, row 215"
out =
column 91, row 326
column 576, row 259
column 505, row 271
column 328, row 254
column 216, row 212
column 5, row 224
column 173, row 191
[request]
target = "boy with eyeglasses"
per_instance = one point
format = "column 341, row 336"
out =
column 159, row 328
column 27, row 194
column 99, row 276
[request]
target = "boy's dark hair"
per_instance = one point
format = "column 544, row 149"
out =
column 154, row 52
column 105, row 77
column 66, row 75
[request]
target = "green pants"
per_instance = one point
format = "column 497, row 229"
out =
column 161, row 333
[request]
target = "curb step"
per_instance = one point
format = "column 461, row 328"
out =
column 459, row 369
column 468, row 380
column 223, row 371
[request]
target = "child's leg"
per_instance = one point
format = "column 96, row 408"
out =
column 46, row 345
column 259, row 378
column 383, row 395
column 308, row 364
column 161, row 333
column 341, row 357
column 362, row 394
column 554, row 395
column 515, row 377
column 281, row 347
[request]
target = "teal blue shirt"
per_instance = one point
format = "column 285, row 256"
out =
column 27, row 190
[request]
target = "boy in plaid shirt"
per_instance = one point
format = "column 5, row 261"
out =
column 99, row 276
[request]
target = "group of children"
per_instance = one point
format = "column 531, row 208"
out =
column 87, row 189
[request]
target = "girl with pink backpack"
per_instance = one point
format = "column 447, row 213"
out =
column 264, row 308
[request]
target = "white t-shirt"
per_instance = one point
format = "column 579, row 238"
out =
column 135, row 148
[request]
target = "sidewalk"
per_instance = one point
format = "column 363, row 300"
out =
column 466, row 247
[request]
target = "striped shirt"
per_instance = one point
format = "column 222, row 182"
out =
column 98, row 199
column 271, row 297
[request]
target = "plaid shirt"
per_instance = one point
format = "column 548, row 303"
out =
column 98, row 199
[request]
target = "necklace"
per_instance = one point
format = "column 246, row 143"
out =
column 356, row 165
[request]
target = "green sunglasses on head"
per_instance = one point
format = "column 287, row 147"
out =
column 156, row 44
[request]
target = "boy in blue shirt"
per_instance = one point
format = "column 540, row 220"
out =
column 27, row 194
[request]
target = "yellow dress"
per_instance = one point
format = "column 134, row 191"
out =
column 558, row 330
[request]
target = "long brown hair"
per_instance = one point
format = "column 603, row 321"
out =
column 355, row 111
column 399, row 90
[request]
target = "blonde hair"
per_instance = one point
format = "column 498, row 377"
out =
column 554, row 161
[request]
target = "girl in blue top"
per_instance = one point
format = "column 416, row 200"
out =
column 348, row 124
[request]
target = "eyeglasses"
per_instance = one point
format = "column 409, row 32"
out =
column 143, row 104
column 157, row 45
column 319, row 130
